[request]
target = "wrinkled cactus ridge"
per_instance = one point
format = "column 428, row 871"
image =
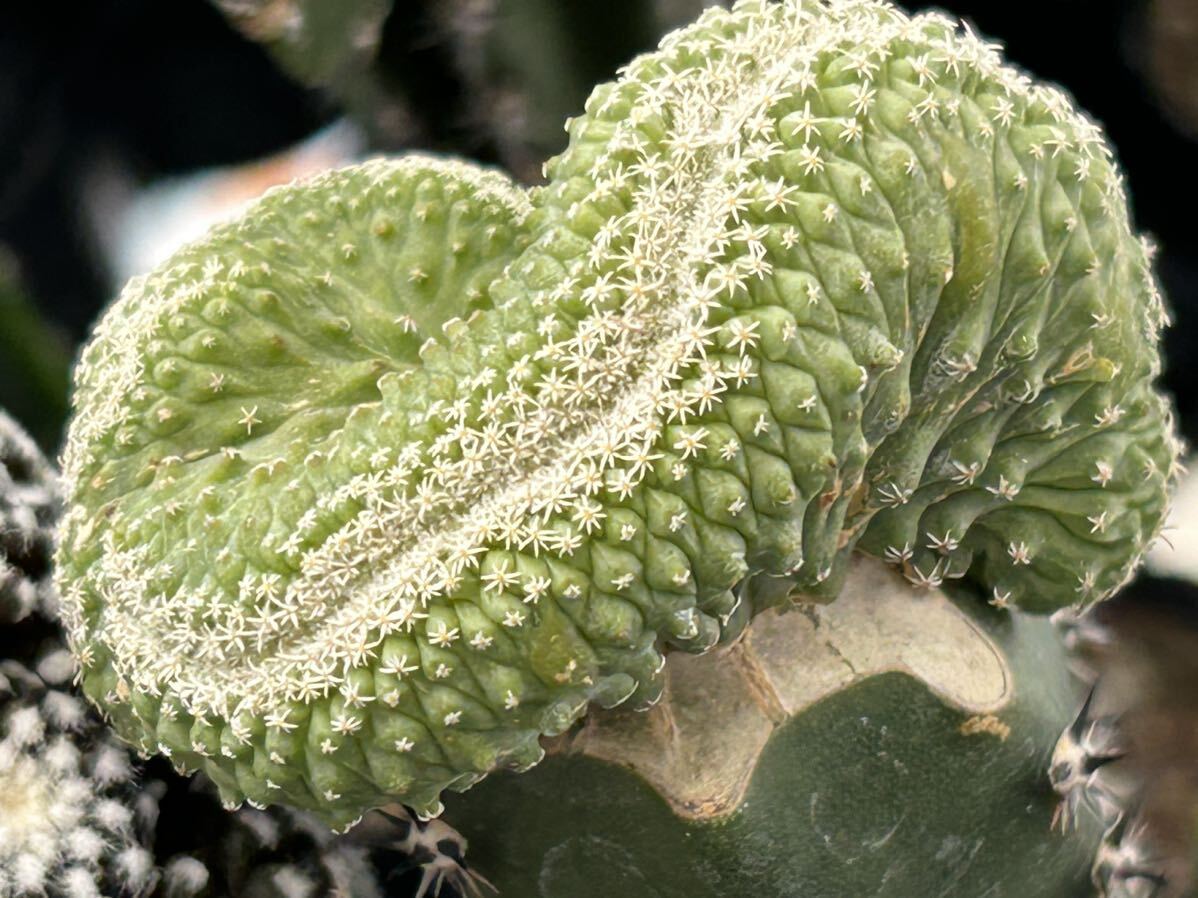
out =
column 377, row 485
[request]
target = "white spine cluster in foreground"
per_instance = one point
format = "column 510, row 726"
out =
column 760, row 314
column 29, row 502
column 570, row 419
column 67, row 826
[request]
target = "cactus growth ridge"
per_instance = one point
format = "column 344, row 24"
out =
column 373, row 487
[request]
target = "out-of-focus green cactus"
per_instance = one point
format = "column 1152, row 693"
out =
column 35, row 361
column 322, row 44
column 332, row 46
column 400, row 472
column 492, row 77
column 1127, row 760
column 525, row 65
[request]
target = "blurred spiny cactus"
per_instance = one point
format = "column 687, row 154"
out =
column 72, row 821
column 29, row 507
column 374, row 487
column 253, row 852
column 35, row 360
column 1129, row 757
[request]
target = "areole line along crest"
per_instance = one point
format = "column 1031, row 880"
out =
column 400, row 470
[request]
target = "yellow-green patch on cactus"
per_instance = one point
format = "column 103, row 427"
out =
column 374, row 487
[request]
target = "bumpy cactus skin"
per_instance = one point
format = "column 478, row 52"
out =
column 811, row 277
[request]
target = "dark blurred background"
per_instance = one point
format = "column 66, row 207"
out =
column 110, row 108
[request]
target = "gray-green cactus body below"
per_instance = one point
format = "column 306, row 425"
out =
column 375, row 486
column 856, row 774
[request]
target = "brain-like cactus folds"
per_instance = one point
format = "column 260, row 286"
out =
column 400, row 471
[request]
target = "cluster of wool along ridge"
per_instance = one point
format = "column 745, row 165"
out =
column 376, row 485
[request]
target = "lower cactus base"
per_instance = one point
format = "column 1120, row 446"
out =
column 907, row 766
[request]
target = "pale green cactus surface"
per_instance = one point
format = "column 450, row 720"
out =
column 402, row 469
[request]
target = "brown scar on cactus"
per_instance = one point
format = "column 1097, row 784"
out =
column 699, row 746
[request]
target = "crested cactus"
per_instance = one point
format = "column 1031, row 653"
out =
column 378, row 485
column 77, row 819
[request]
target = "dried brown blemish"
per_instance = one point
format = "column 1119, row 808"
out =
column 985, row 723
column 699, row 745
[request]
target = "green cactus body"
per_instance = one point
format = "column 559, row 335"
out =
column 376, row 486
column 30, row 502
column 854, row 774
